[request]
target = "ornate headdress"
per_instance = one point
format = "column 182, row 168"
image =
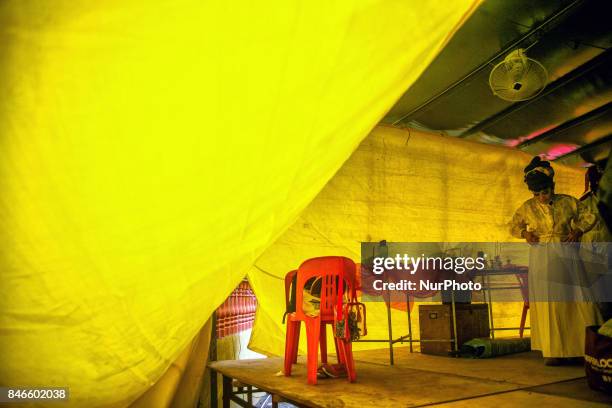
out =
column 539, row 174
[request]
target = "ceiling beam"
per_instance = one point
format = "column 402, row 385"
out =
column 536, row 29
column 587, row 117
column 587, row 147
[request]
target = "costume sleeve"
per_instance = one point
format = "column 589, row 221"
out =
column 519, row 222
column 585, row 218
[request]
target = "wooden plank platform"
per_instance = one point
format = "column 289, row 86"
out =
column 416, row 380
column 523, row 368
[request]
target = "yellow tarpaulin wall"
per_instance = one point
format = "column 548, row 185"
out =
column 151, row 150
column 400, row 185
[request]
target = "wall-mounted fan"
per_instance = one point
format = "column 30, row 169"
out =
column 518, row 78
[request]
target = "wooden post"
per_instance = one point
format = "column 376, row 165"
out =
column 227, row 391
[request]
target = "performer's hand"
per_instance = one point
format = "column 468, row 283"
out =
column 531, row 238
column 573, row 236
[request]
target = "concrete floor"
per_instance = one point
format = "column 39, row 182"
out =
column 520, row 380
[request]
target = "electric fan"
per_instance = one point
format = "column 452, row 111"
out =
column 518, row 78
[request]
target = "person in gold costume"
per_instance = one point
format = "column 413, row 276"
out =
column 558, row 314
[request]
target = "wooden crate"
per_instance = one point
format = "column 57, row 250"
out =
column 436, row 324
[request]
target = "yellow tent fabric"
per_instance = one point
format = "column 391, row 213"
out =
column 182, row 383
column 405, row 186
column 150, row 151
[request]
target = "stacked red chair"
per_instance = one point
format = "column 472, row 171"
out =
column 296, row 325
column 337, row 276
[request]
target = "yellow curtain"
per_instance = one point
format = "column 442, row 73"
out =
column 186, row 383
column 405, row 186
column 181, row 384
column 150, row 151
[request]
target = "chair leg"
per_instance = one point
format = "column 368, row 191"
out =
column 350, row 363
column 523, row 318
column 346, row 348
column 339, row 355
column 313, row 330
column 294, row 352
column 290, row 344
column 323, row 343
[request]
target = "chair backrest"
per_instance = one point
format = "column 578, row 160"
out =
column 289, row 290
column 337, row 275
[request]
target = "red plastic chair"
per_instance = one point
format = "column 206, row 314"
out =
column 295, row 326
column 337, row 278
